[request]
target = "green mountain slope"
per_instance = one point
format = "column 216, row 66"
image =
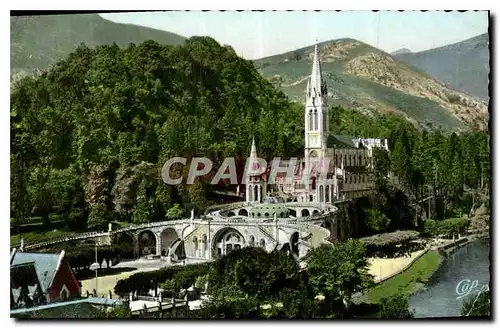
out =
column 366, row 79
column 40, row 41
column 463, row 65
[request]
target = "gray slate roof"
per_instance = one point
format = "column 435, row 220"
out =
column 340, row 141
column 45, row 264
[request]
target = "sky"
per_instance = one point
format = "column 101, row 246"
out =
column 255, row 35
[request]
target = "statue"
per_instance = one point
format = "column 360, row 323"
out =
column 192, row 214
column 21, row 248
column 110, row 227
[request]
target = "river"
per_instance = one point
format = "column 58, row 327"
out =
column 439, row 297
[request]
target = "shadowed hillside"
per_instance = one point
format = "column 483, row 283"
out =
column 463, row 65
column 40, row 41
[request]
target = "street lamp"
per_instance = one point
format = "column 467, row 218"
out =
column 95, row 266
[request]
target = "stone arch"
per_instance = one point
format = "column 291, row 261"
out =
column 126, row 242
column 204, row 245
column 195, row 246
column 147, row 243
column 292, row 212
column 226, row 240
column 167, row 238
column 251, row 241
column 243, row 212
column 327, row 194
column 230, row 214
column 294, row 243
column 321, row 194
column 286, row 248
column 262, row 244
column 315, row 212
column 256, row 193
column 304, row 212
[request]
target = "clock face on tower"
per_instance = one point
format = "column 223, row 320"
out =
column 313, row 154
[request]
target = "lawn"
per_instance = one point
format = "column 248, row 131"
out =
column 407, row 282
column 34, row 237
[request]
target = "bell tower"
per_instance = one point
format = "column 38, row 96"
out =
column 316, row 112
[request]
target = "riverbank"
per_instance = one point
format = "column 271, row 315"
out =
column 413, row 277
column 409, row 280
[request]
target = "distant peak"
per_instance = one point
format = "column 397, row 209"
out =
column 401, row 51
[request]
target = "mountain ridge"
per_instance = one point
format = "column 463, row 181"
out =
column 368, row 79
column 461, row 65
column 401, row 51
column 37, row 42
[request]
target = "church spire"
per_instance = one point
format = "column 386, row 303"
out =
column 253, row 151
column 316, row 75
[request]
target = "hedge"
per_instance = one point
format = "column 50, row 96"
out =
column 388, row 244
column 448, row 227
column 143, row 282
column 390, row 238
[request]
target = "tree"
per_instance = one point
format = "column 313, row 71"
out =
column 142, row 212
column 477, row 305
column 98, row 217
column 337, row 283
column 395, row 307
column 376, row 220
column 382, row 164
column 174, row 212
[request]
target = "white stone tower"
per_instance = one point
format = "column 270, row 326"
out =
column 316, row 112
column 256, row 186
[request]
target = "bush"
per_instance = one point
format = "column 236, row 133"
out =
column 395, row 307
column 142, row 282
column 98, row 217
column 477, row 305
column 448, row 227
column 389, row 239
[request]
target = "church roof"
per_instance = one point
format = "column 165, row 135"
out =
column 341, row 141
column 24, row 284
column 45, row 265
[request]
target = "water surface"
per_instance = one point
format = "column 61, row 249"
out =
column 439, row 298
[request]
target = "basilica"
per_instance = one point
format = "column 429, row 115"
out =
column 349, row 160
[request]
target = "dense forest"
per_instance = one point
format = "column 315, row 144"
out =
column 90, row 136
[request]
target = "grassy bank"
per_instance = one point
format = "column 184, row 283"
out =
column 408, row 281
column 34, row 237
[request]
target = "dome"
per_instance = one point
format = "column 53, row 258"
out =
column 266, row 211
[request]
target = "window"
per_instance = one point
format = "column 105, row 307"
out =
column 315, row 120
column 64, row 295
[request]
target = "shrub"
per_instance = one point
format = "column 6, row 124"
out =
column 477, row 305
column 142, row 282
column 395, row 307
